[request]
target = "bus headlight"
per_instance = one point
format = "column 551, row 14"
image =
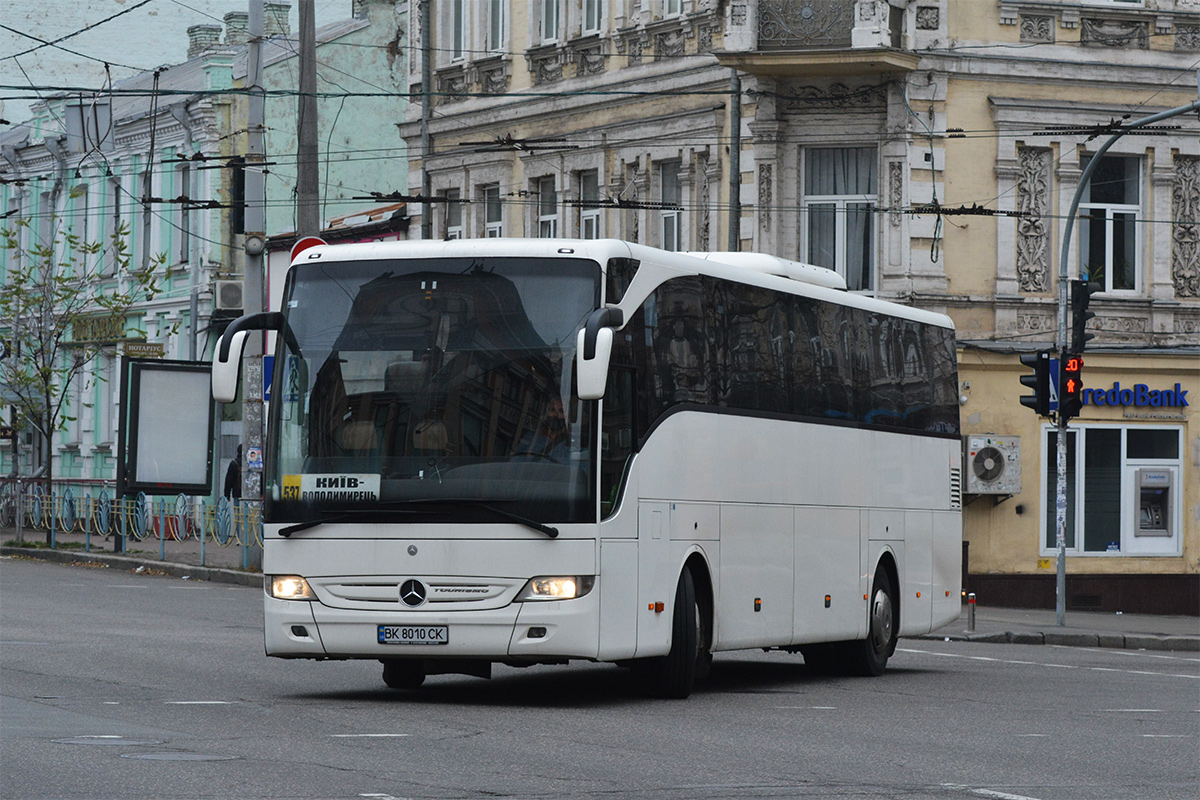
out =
column 290, row 587
column 565, row 587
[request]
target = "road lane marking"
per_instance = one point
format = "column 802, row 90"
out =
column 1049, row 666
column 996, row 795
column 198, row 702
column 367, row 736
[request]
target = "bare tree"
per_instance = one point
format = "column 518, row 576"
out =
column 57, row 293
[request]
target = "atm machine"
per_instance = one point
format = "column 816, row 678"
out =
column 1154, row 486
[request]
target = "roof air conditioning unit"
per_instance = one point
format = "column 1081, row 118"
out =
column 993, row 464
column 229, row 296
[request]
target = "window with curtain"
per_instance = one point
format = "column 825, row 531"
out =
column 1108, row 230
column 838, row 209
column 547, row 205
column 589, row 215
column 670, row 215
column 493, row 214
column 454, row 226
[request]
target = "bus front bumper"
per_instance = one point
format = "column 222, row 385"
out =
column 531, row 631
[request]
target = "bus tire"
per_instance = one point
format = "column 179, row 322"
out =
column 869, row 657
column 674, row 675
column 403, row 673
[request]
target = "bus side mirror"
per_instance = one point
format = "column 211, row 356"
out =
column 593, row 351
column 227, row 360
column 227, row 370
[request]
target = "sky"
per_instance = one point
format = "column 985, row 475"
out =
column 150, row 35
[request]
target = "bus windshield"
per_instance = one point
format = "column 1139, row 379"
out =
column 432, row 389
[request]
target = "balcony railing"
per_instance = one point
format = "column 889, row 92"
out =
column 826, row 24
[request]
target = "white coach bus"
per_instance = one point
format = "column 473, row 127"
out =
column 532, row 451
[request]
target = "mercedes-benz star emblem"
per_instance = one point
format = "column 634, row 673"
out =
column 412, row 592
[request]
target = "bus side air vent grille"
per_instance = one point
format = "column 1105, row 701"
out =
column 956, row 488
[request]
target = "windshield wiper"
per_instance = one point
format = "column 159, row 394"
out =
column 517, row 518
column 347, row 515
column 342, row 516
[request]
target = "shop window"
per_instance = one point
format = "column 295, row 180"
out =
column 1123, row 483
column 1108, row 229
column 838, row 212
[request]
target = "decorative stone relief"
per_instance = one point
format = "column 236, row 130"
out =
column 1126, row 34
column 1037, row 322
column 589, row 62
column 895, row 191
column 1037, row 29
column 765, row 195
column 670, row 44
column 837, row 95
column 702, row 202
column 1187, row 38
column 1033, row 238
column 1185, row 236
column 493, row 80
column 928, row 18
column 1122, row 324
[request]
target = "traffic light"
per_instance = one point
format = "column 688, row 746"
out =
column 1081, row 295
column 1039, row 381
column 1070, row 385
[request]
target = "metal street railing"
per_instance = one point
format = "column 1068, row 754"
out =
column 89, row 508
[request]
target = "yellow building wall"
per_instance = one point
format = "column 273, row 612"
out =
column 1005, row 534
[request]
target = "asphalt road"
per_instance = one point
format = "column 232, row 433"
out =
column 117, row 685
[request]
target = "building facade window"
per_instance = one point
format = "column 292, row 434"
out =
column 458, row 29
column 1123, row 483
column 547, row 208
column 493, row 212
column 838, row 212
column 453, row 215
column 591, row 16
column 589, row 209
column 183, row 223
column 548, row 17
column 672, row 8
column 497, row 30
column 1108, row 230
column 670, row 215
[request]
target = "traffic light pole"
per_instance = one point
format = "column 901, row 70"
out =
column 1064, row 311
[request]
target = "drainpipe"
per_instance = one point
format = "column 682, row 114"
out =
column 735, row 161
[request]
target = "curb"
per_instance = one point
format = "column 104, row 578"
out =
column 129, row 563
column 1064, row 639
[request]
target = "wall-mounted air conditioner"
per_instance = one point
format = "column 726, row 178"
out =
column 229, row 296
column 993, row 464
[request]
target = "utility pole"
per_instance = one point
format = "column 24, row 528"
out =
column 1064, row 312
column 308, row 209
column 255, row 243
column 426, row 113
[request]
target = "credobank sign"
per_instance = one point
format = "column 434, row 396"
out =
column 1139, row 395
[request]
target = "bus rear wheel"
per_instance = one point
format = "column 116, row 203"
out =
column 403, row 673
column 870, row 656
column 674, row 675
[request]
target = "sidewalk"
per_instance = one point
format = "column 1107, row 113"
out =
column 234, row 564
column 209, row 561
column 1080, row 629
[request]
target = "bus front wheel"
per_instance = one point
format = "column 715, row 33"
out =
column 674, row 675
column 403, row 673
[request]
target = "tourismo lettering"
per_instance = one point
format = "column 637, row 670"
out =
column 1139, row 395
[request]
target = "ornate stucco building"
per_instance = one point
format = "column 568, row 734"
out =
column 928, row 150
